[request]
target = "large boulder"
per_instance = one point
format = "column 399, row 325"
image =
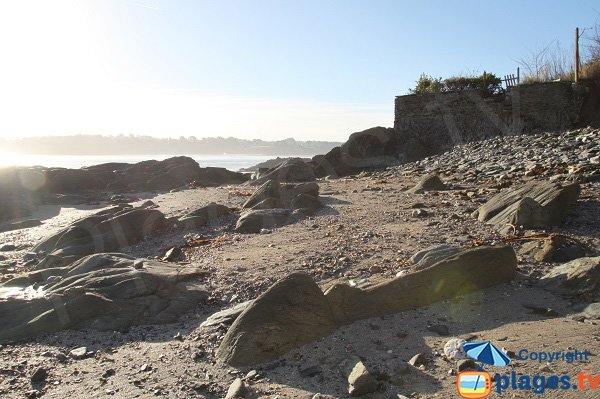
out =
column 105, row 231
column 204, row 215
column 294, row 311
column 373, row 148
column 291, row 313
column 103, row 292
column 291, row 170
column 254, row 221
column 532, row 205
column 271, row 203
column 580, row 277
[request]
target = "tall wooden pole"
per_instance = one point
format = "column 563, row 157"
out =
column 576, row 55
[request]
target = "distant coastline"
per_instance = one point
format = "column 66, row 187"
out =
column 233, row 162
column 95, row 145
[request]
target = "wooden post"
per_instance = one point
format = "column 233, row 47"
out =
column 576, row 55
column 518, row 75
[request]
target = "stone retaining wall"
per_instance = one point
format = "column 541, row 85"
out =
column 431, row 123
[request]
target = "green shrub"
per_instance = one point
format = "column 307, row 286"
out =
column 486, row 84
column 427, row 85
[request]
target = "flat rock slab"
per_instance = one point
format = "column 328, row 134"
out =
column 294, row 311
column 532, row 205
column 467, row 271
column 103, row 291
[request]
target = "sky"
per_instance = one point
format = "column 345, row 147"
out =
column 269, row 69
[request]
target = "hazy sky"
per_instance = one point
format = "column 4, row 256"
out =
column 250, row 68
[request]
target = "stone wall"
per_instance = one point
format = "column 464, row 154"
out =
column 430, row 123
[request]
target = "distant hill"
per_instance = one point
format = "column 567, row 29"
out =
column 131, row 144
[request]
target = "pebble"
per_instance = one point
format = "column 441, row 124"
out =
column 418, row 360
column 39, row 375
column 237, row 390
column 78, row 353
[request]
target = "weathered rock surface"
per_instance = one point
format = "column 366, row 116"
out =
column 103, row 291
column 431, row 255
column 255, row 220
column 271, row 205
column 293, row 170
column 428, row 183
column 106, row 231
column 466, row 271
column 226, row 316
column 24, row 224
column 204, row 215
column 294, row 311
column 555, row 249
column 372, row 148
column 22, row 189
column 580, row 277
column 532, row 205
column 289, row 314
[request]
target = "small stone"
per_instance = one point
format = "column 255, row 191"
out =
column 453, row 349
column 265, row 231
column 418, row 360
column 417, row 213
column 545, row 369
column 39, row 375
column 360, row 380
column 61, row 357
column 173, row 254
column 237, row 390
column 252, row 375
column 78, row 353
column 178, row 336
column 145, row 367
column 34, row 393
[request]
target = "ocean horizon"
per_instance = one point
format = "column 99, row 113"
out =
column 232, row 162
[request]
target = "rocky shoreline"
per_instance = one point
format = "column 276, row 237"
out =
column 211, row 240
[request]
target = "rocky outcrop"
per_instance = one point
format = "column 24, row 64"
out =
column 373, row 148
column 578, row 278
column 431, row 255
column 255, row 220
column 291, row 313
column 204, row 215
column 293, row 170
column 532, row 205
column 272, row 203
column 22, row 189
column 103, row 292
column 106, row 231
column 466, row 271
column 294, row 311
